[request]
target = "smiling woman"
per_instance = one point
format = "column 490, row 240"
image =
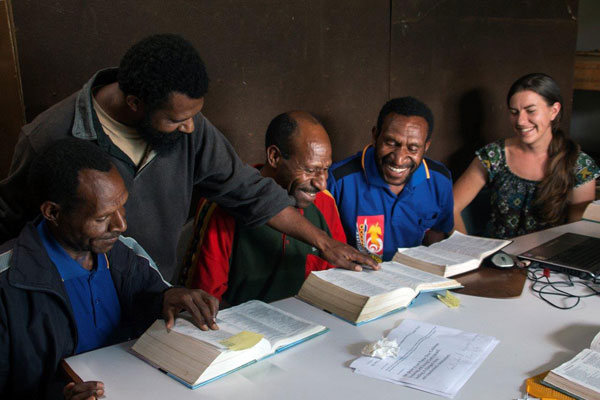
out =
column 539, row 177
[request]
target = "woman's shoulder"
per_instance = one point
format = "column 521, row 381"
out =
column 494, row 146
column 492, row 155
column 585, row 168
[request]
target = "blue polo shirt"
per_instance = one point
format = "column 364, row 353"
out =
column 92, row 295
column 378, row 221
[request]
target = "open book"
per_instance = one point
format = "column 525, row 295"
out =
column 592, row 211
column 458, row 254
column 196, row 357
column 359, row 297
column 580, row 376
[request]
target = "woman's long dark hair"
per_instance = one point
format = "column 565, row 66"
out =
column 553, row 190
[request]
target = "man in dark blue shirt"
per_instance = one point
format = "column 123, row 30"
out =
column 70, row 283
column 389, row 194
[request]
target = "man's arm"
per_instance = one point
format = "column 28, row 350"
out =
column 290, row 222
column 150, row 293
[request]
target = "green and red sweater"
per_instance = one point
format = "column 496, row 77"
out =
column 236, row 263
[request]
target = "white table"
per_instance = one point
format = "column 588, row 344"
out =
column 534, row 337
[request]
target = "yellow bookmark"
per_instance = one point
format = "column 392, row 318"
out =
column 449, row 299
column 242, row 341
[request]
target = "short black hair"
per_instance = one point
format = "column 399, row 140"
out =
column 281, row 129
column 54, row 174
column 159, row 65
column 407, row 106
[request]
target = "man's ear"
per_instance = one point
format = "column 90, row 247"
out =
column 50, row 211
column 374, row 134
column 427, row 143
column 134, row 103
column 273, row 156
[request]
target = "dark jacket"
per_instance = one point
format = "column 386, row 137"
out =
column 37, row 326
column 160, row 193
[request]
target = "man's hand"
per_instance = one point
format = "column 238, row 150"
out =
column 83, row 391
column 344, row 256
column 290, row 222
column 202, row 306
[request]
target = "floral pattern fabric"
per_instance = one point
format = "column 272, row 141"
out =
column 512, row 197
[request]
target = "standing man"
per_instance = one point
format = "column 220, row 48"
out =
column 146, row 116
column 236, row 263
column 70, row 283
column 390, row 195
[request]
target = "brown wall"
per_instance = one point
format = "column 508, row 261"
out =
column 339, row 59
column 461, row 57
column 12, row 115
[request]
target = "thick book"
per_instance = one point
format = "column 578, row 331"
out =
column 458, row 254
column 359, row 297
column 195, row 357
column 580, row 376
column 592, row 211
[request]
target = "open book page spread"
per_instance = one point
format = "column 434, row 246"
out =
column 471, row 246
column 435, row 256
column 254, row 316
column 458, row 248
column 583, row 369
column 370, row 283
column 431, row 358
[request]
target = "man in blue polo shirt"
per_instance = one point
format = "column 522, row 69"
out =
column 70, row 283
column 389, row 195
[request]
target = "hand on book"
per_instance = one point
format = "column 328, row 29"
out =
column 344, row 256
column 83, row 391
column 202, row 306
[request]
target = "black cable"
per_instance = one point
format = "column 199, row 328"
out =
column 545, row 288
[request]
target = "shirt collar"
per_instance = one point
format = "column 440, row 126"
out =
column 67, row 267
column 85, row 122
column 374, row 178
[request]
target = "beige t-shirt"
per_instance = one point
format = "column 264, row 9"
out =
column 125, row 137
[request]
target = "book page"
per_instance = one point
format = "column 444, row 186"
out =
column 254, row 316
column 273, row 323
column 583, row 369
column 472, row 246
column 596, row 343
column 370, row 283
column 435, row 256
column 431, row 358
column 185, row 326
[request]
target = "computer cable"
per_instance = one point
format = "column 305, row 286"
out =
column 548, row 289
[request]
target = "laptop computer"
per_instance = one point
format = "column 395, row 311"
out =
column 571, row 253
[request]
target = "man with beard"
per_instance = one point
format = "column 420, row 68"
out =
column 236, row 263
column 146, row 116
column 70, row 283
column 390, row 195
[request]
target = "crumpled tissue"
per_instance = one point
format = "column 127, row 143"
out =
column 381, row 349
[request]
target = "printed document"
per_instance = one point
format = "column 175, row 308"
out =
column 431, row 358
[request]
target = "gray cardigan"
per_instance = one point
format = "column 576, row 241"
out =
column 160, row 193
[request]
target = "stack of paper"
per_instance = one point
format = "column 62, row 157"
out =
column 431, row 358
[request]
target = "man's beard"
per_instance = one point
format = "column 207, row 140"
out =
column 161, row 142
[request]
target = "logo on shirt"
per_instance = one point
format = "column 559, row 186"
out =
column 369, row 234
